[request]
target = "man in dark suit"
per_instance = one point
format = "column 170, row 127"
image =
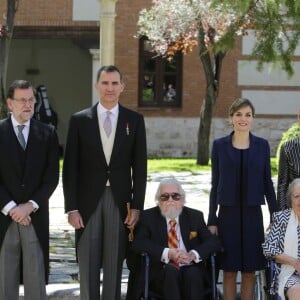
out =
column 176, row 269
column 29, row 173
column 104, row 169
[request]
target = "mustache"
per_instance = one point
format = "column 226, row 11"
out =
column 171, row 212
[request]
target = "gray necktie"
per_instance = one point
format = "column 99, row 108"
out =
column 107, row 124
column 21, row 136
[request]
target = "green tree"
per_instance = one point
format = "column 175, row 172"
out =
column 181, row 25
column 6, row 32
column 292, row 133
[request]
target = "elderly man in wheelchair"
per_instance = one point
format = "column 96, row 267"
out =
column 283, row 245
column 178, row 243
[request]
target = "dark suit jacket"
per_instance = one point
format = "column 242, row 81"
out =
column 86, row 172
column 152, row 236
column 225, row 174
column 288, row 170
column 29, row 175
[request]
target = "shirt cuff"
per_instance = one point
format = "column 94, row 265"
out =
column 198, row 258
column 35, row 205
column 71, row 211
column 165, row 256
column 10, row 205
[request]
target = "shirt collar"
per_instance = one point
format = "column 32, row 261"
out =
column 15, row 123
column 102, row 109
column 176, row 219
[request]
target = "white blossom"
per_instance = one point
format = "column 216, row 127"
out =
column 168, row 20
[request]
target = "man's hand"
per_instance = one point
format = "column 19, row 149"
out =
column 181, row 257
column 177, row 255
column 213, row 229
column 187, row 258
column 26, row 221
column 75, row 220
column 132, row 218
column 21, row 212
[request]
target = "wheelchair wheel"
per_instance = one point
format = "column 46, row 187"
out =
column 260, row 283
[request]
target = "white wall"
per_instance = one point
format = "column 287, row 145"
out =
column 177, row 137
column 271, row 90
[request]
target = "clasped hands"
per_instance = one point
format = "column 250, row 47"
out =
column 180, row 256
column 21, row 213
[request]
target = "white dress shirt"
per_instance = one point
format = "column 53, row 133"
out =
column 165, row 255
column 11, row 204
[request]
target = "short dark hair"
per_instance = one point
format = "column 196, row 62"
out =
column 238, row 103
column 18, row 84
column 109, row 69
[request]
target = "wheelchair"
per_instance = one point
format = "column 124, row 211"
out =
column 269, row 275
column 211, row 293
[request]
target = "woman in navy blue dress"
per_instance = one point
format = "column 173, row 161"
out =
column 241, row 181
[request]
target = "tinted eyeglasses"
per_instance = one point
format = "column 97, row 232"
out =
column 24, row 101
column 166, row 196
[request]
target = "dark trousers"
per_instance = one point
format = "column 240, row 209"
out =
column 180, row 284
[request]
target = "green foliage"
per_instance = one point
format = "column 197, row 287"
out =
column 276, row 24
column 187, row 165
column 176, row 165
column 172, row 25
column 291, row 133
column 3, row 110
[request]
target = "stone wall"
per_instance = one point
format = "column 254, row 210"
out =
column 177, row 137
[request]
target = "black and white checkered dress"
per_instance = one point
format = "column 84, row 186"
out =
column 295, row 278
column 274, row 245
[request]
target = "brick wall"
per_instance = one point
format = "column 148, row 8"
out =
column 45, row 13
column 193, row 76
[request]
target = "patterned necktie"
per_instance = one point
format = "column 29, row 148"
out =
column 21, row 136
column 107, row 124
column 173, row 240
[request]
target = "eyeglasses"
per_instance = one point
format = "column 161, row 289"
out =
column 166, row 196
column 23, row 100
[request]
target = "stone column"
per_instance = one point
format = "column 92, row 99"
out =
column 95, row 68
column 107, row 31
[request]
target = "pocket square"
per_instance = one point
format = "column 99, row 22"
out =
column 193, row 234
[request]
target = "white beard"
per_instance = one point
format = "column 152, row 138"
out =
column 171, row 212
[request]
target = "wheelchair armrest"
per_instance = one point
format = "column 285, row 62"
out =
column 145, row 255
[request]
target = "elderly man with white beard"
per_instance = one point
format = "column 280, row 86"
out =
column 178, row 243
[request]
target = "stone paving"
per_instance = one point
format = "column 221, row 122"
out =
column 63, row 279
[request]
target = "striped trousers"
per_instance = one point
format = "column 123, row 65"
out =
column 102, row 245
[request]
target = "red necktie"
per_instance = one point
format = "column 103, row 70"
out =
column 173, row 239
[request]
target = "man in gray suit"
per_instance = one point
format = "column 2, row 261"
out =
column 105, row 168
column 29, row 172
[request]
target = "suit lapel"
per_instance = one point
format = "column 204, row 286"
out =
column 162, row 228
column 12, row 143
column 252, row 148
column 229, row 148
column 120, row 132
column 95, row 131
column 32, row 148
column 184, row 228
